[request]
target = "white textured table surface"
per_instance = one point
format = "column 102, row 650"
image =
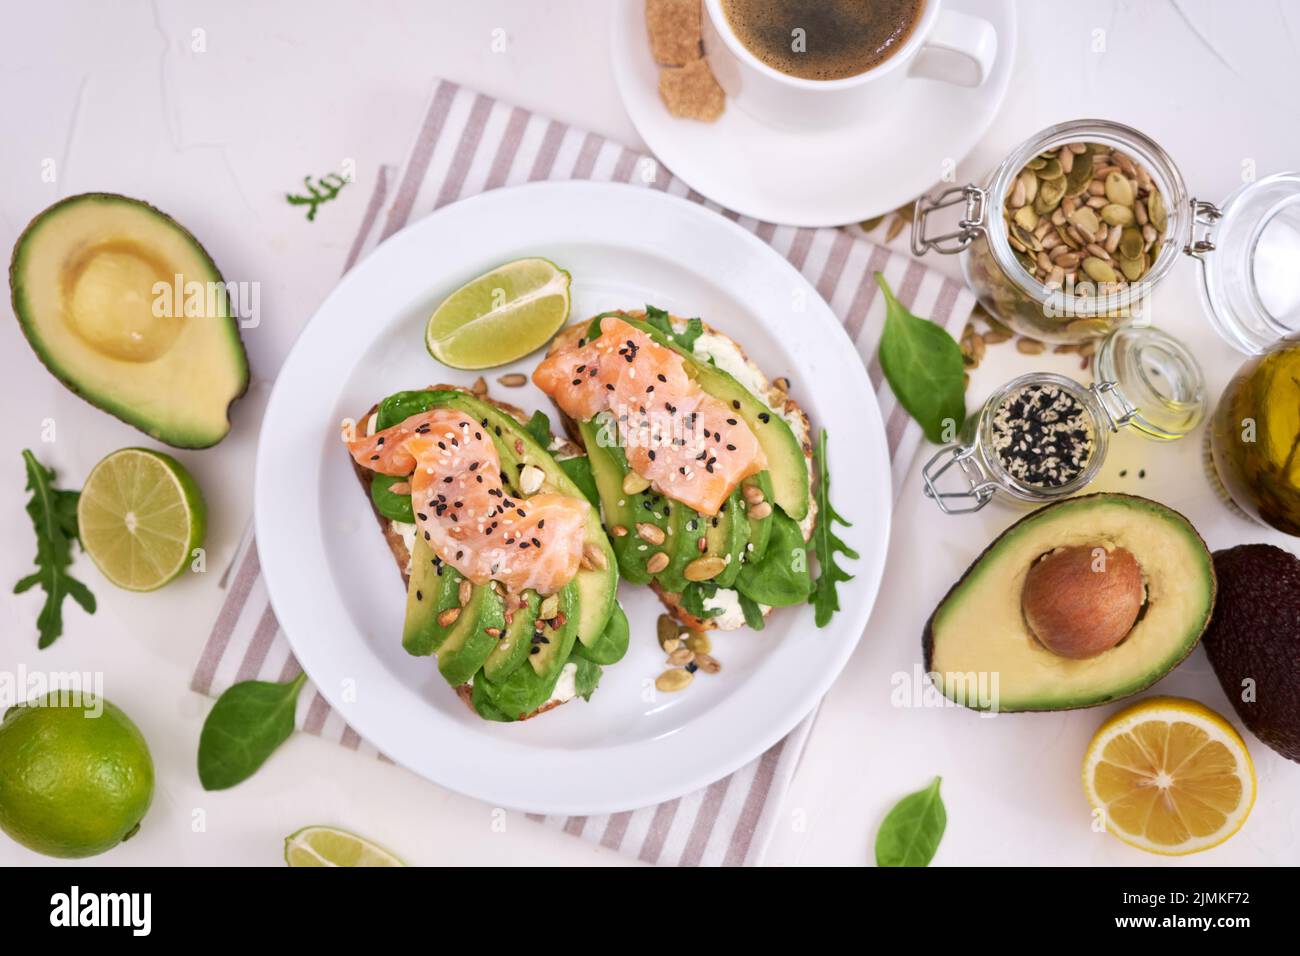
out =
column 213, row 113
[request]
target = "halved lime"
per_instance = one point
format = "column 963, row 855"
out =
column 327, row 846
column 140, row 518
column 500, row 316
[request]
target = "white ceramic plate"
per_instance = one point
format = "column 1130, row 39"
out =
column 337, row 591
column 822, row 178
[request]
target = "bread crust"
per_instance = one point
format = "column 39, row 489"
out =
column 776, row 395
column 402, row 555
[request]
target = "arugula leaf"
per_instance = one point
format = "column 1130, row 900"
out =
column 659, row 319
column 54, row 519
column 245, row 726
column 923, row 366
column 539, row 426
column 753, row 613
column 328, row 187
column 910, row 833
column 693, row 596
column 826, row 543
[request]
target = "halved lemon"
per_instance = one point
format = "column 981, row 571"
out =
column 328, row 846
column 1170, row 776
column 501, row 316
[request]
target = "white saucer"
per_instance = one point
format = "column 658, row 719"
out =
column 814, row 178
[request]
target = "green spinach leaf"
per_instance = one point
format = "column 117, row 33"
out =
column 910, row 833
column 693, row 596
column 753, row 613
column 826, row 543
column 54, row 519
column 579, row 472
column 685, row 339
column 245, row 726
column 782, row 578
column 586, row 680
column 924, row 367
column 612, row 644
column 392, row 506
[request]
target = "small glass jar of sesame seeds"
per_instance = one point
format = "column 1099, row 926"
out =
column 1044, row 436
column 1066, row 240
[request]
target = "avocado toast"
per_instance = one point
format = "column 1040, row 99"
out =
column 511, row 581
column 702, row 464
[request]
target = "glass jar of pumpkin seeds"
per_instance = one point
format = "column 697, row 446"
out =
column 1044, row 436
column 1070, row 233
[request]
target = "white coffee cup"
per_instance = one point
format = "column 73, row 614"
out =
column 945, row 45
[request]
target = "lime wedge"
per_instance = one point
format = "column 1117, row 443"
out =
column 140, row 517
column 500, row 316
column 326, row 846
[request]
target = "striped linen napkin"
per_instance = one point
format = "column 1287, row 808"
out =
column 470, row 143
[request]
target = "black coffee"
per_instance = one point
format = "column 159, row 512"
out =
column 823, row 39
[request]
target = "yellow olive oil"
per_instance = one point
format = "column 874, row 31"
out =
column 1255, row 437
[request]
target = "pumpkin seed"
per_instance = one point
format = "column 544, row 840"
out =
column 1026, row 218
column 1051, row 169
column 704, row 569
column 699, row 642
column 1098, row 270
column 667, row 629
column 1076, row 181
column 673, row 680
column 1130, row 244
column 1119, row 189
column 1090, row 327
column 1114, row 214
column 1156, row 211
column 1133, row 268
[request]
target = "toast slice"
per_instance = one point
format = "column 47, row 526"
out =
column 731, row 357
column 560, row 449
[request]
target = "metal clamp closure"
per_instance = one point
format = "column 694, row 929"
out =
column 1204, row 214
column 979, row 487
column 970, row 226
column 1117, row 409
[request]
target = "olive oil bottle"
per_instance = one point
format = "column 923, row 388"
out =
column 1255, row 437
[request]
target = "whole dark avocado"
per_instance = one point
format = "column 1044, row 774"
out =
column 1253, row 641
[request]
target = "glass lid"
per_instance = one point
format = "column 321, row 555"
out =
column 1156, row 379
column 1251, row 258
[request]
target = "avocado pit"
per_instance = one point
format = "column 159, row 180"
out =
column 1082, row 600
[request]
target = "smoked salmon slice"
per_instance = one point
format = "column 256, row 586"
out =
column 692, row 447
column 465, row 513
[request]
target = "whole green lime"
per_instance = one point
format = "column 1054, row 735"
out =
column 77, row 776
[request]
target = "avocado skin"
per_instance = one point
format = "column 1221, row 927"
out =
column 1255, row 634
column 927, row 636
column 51, row 362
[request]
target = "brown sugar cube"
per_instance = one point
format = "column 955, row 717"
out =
column 690, row 91
column 674, row 27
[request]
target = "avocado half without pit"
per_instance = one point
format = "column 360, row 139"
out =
column 125, row 308
column 1082, row 602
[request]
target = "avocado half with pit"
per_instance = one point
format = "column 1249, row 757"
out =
column 1080, row 603
column 127, row 310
